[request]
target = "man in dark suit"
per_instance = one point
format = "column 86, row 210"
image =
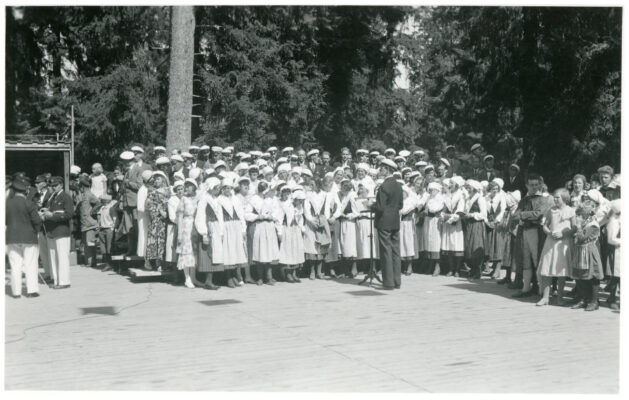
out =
column 489, row 172
column 57, row 216
column 387, row 208
column 515, row 181
column 131, row 183
column 41, row 199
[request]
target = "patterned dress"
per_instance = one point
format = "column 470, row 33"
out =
column 156, row 204
column 554, row 260
column 185, row 226
column 586, row 259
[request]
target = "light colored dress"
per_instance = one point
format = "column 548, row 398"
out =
column 555, row 256
column 234, row 242
column 292, row 241
column 185, row 226
column 408, row 243
column 209, row 221
column 420, row 240
column 452, row 238
column 613, row 239
column 431, row 229
column 496, row 236
column 333, row 204
column 346, row 214
column 317, row 234
column 143, row 220
column 264, row 244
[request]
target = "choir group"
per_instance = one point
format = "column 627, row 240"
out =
column 251, row 217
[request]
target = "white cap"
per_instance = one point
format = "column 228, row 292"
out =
column 212, row 182
column 282, row 160
column 362, row 166
column 241, row 166
column 185, row 154
column 299, row 195
column 176, row 157
column 404, row 153
column 217, row 149
column 272, row 148
column 296, row 170
column 419, row 152
column 389, row 163
column 389, row 150
column 475, row 146
column 283, row 167
column 267, row 170
column 374, row 153
column 313, row 152
column 75, row 169
column 146, row 174
column 499, row 182
column 406, row 169
column 177, row 183
column 243, row 179
column 226, row 150
column 126, row 155
column 256, row 153
column 192, row 182
column 434, row 186
column 159, row 148
column 195, row 173
column 162, row 160
column 160, row 173
column 306, row 171
column 137, row 149
column 205, row 147
column 421, row 164
column 487, row 157
column 458, row 180
column 475, row 185
column 266, row 155
column 253, row 166
column 220, row 163
column 287, row 149
column 444, row 162
column 399, row 158
column 193, row 147
column 361, row 151
column 595, row 195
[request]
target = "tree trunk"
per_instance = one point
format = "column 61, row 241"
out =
column 178, row 130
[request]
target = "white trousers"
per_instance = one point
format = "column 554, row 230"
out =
column 44, row 254
column 143, row 231
column 59, row 250
column 23, row 258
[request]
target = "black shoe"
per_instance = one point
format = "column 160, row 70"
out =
column 579, row 304
column 32, row 294
column 250, row 281
column 16, row 296
column 592, row 306
column 211, row 286
column 271, row 282
column 387, row 288
column 107, row 268
column 503, row 281
column 397, row 286
column 296, row 280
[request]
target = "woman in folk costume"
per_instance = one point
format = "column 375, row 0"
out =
column 559, row 225
column 338, row 175
column 186, row 245
column 431, row 229
column 474, row 228
column 452, row 238
column 587, row 268
column 362, row 178
column 578, row 193
column 332, row 204
column 143, row 219
column 418, row 185
column 243, row 198
column 265, row 251
column 317, row 235
column 613, row 260
column 366, row 233
column 408, row 251
column 235, row 234
column 156, row 204
column 291, row 254
column 347, row 213
column 510, row 227
column 210, row 227
column 496, row 208
column 171, row 223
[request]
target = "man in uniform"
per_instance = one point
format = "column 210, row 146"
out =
column 57, row 216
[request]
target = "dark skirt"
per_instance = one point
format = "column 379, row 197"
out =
column 204, row 258
column 474, row 232
column 495, row 243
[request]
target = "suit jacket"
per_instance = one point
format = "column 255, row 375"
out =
column 131, row 183
column 62, row 207
column 517, row 184
column 487, row 175
column 388, row 204
column 22, row 221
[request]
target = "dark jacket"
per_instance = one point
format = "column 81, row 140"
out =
column 518, row 184
column 22, row 221
column 388, row 205
column 611, row 192
column 62, row 207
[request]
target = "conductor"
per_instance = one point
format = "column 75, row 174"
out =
column 387, row 208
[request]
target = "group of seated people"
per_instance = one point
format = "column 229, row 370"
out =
column 226, row 218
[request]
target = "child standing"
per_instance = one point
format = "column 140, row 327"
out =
column 292, row 241
column 452, row 239
column 209, row 224
column 587, row 268
column 558, row 224
column 431, row 229
column 186, row 260
column 408, row 252
column 107, row 215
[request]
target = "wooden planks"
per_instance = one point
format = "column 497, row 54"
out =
column 434, row 335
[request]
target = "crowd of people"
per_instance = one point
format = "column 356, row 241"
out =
column 234, row 218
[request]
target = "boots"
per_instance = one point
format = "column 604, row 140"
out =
column 593, row 303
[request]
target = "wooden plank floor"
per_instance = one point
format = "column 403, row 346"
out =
column 434, row 335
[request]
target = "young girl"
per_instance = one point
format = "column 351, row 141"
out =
column 495, row 234
column 452, row 239
column 431, row 229
column 317, row 230
column 578, row 190
column 235, row 237
column 143, row 219
column 421, row 196
column 291, row 254
column 587, row 268
column 474, row 228
column 347, row 213
column 613, row 260
column 332, row 203
column 209, row 224
column 156, row 203
column 265, row 248
column 408, row 252
column 559, row 224
column 512, row 199
column 186, row 260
